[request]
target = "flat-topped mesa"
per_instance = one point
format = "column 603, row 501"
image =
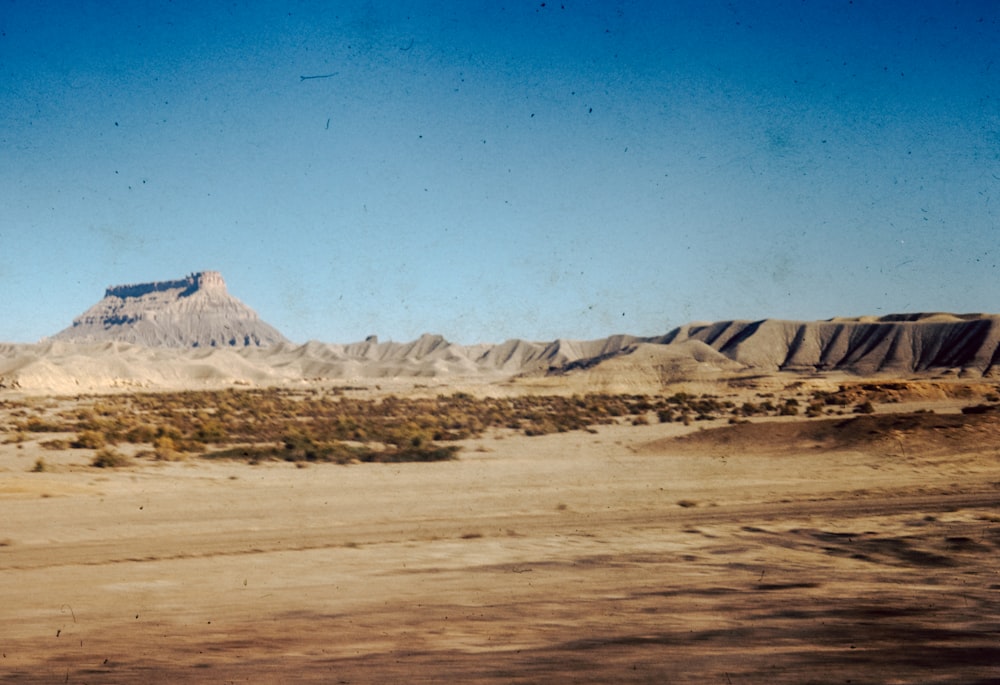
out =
column 194, row 311
column 201, row 280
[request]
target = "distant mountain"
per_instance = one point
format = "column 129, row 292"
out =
column 196, row 311
column 125, row 336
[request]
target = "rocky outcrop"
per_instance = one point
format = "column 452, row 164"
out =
column 196, row 311
column 200, row 281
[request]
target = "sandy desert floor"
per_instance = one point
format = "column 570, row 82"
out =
column 577, row 557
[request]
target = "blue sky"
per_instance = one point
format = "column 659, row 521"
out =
column 496, row 170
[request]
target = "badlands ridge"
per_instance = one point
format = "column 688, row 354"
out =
column 192, row 333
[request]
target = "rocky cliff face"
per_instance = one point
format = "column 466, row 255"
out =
column 196, row 311
column 895, row 344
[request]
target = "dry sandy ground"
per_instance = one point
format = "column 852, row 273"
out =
column 586, row 558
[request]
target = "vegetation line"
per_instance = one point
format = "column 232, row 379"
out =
column 255, row 425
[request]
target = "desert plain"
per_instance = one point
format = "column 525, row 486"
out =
column 855, row 545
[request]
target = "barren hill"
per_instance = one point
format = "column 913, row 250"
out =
column 131, row 339
column 897, row 343
column 70, row 366
column 196, row 311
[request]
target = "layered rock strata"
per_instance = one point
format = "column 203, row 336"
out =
column 196, row 311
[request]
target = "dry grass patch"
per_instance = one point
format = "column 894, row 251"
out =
column 107, row 458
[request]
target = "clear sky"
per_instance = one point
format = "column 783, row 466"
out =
column 492, row 170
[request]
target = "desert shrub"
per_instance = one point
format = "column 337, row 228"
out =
column 640, row 405
column 89, row 420
column 107, row 408
column 16, row 438
column 541, row 427
column 164, row 442
column 107, row 458
column 192, row 446
column 141, row 433
column 789, row 409
column 211, row 430
column 164, row 449
column 829, row 398
column 614, row 409
column 55, row 445
column 298, row 446
column 89, row 439
column 337, row 453
column 247, row 453
column 40, row 466
column 38, row 425
column 429, row 452
column 705, row 406
column 865, row 408
column 814, row 409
